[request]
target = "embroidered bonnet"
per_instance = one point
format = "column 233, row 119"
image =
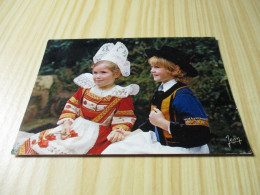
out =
column 114, row 53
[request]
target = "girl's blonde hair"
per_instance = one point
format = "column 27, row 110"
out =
column 111, row 66
column 178, row 75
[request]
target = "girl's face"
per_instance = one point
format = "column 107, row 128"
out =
column 160, row 74
column 103, row 76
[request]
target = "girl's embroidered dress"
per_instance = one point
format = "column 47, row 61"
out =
column 94, row 113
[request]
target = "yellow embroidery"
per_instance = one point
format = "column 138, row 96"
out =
column 197, row 121
column 125, row 113
column 26, row 149
column 96, row 97
column 83, row 91
column 125, row 127
column 21, row 150
column 106, row 110
column 74, row 101
column 67, row 115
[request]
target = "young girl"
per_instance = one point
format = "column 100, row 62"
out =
column 97, row 114
column 177, row 121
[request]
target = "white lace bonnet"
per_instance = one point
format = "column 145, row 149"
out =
column 117, row 54
column 114, row 53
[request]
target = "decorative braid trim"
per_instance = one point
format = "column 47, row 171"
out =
column 124, row 113
column 67, row 115
column 74, row 101
column 197, row 121
column 125, row 127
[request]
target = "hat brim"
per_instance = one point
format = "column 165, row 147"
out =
column 187, row 67
column 152, row 52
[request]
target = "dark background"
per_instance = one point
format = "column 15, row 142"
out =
column 66, row 59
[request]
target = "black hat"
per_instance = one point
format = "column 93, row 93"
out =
column 177, row 57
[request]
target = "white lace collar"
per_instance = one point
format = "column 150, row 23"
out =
column 86, row 81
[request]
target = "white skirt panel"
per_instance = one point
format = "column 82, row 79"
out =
column 146, row 143
column 87, row 135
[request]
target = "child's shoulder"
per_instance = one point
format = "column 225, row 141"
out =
column 184, row 91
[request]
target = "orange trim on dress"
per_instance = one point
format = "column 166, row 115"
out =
column 125, row 127
column 106, row 110
column 25, row 149
column 74, row 101
column 68, row 115
column 125, row 113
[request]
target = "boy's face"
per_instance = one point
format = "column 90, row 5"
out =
column 160, row 74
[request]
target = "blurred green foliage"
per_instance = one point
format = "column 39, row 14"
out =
column 69, row 58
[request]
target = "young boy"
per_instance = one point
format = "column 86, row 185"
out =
column 176, row 116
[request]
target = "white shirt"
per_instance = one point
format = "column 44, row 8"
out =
column 168, row 85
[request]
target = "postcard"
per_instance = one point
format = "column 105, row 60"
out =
column 166, row 96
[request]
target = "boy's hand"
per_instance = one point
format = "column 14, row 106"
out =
column 156, row 118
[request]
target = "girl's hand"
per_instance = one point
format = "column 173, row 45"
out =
column 116, row 136
column 157, row 118
column 122, row 131
column 66, row 129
